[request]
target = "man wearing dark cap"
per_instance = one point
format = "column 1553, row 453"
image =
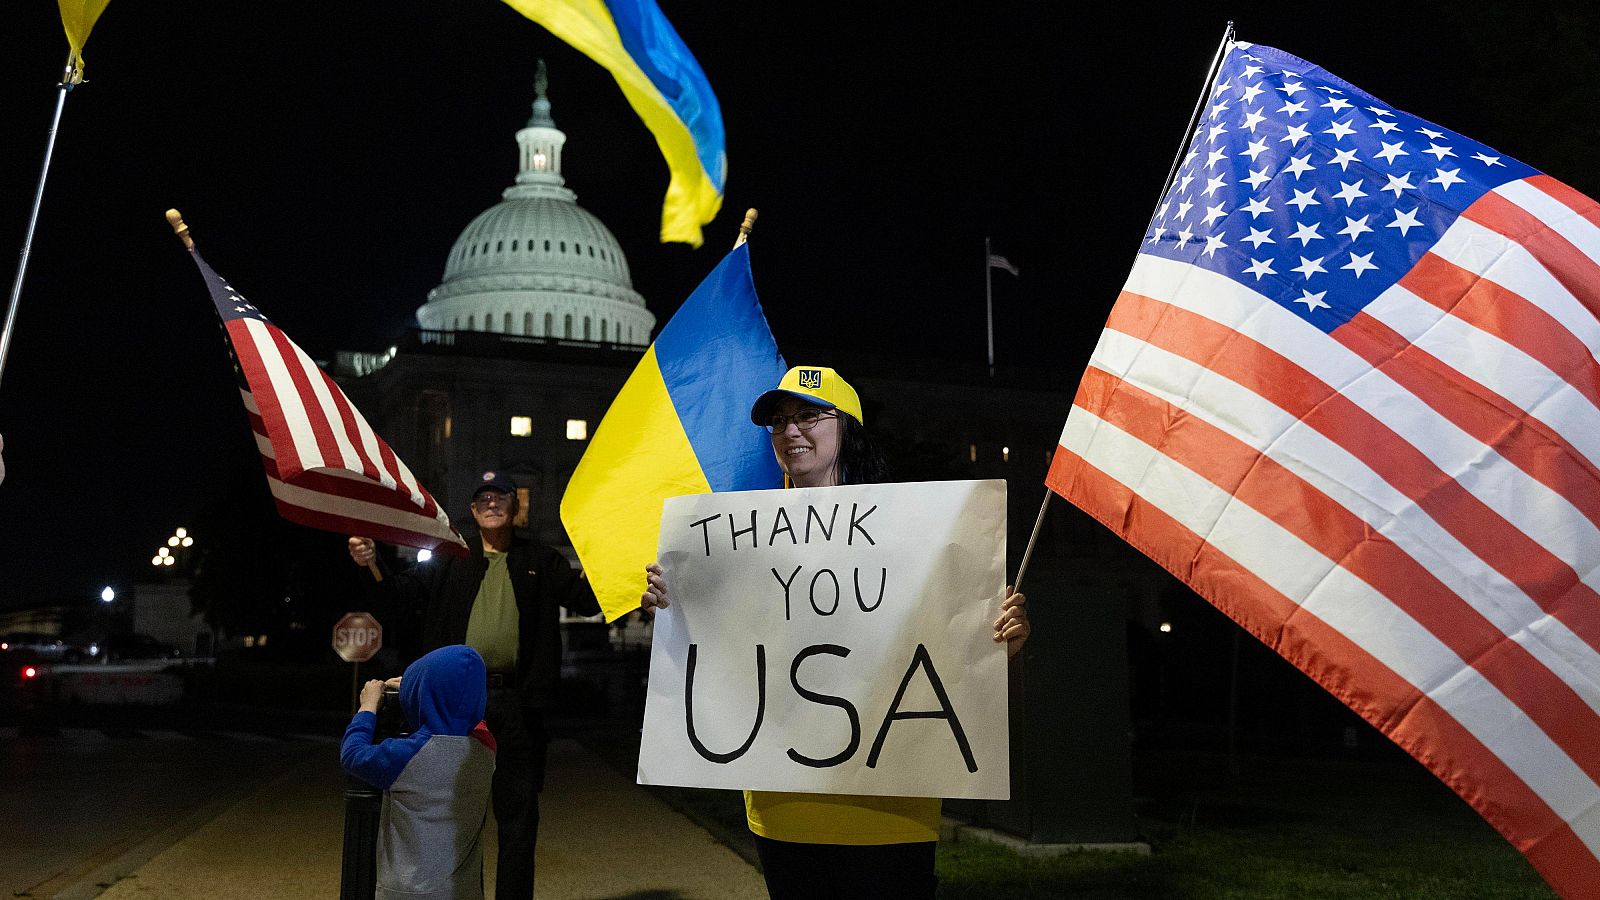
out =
column 503, row 601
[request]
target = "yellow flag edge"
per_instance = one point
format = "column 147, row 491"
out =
column 639, row 457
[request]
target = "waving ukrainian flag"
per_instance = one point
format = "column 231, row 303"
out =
column 680, row 425
column 665, row 86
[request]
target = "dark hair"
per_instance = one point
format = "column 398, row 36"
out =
column 860, row 461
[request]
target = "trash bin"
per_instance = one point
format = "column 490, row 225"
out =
column 363, row 805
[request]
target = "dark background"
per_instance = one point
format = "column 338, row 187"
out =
column 328, row 154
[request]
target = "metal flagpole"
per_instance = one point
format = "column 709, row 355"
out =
column 988, row 299
column 1199, row 104
column 69, row 79
column 1205, row 88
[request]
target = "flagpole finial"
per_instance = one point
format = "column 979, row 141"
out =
column 175, row 219
column 746, row 227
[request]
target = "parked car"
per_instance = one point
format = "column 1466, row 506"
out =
column 40, row 647
column 24, row 675
column 119, row 647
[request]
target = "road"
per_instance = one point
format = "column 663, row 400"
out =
column 81, row 791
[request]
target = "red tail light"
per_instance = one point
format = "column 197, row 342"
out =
column 29, row 672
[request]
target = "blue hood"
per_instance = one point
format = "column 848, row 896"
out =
column 444, row 692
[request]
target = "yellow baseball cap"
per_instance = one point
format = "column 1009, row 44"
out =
column 814, row 384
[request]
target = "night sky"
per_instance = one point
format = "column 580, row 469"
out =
column 327, row 155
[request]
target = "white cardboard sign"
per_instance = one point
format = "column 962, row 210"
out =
column 834, row 640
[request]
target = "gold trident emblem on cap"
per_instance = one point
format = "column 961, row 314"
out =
column 811, row 378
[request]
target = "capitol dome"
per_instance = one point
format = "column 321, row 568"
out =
column 537, row 264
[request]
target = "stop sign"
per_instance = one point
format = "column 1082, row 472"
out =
column 357, row 637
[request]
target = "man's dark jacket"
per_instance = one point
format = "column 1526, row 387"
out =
column 444, row 589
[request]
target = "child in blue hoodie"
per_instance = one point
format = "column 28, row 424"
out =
column 435, row 780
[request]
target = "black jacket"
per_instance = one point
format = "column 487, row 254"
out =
column 444, row 588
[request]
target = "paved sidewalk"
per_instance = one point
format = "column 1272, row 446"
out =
column 601, row 837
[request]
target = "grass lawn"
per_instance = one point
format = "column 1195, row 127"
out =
column 1285, row 827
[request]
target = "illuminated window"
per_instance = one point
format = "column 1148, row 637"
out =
column 577, row 429
column 972, row 452
column 521, row 426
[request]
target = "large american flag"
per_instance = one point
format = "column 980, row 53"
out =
column 1350, row 395
column 325, row 466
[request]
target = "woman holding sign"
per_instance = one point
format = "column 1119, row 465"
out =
column 830, row 845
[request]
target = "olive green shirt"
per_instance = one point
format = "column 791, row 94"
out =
column 492, row 629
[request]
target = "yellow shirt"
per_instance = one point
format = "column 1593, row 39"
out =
column 842, row 818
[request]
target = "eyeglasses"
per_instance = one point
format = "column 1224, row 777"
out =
column 490, row 498
column 805, row 420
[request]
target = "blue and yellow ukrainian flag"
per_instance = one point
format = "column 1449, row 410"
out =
column 664, row 84
column 680, row 425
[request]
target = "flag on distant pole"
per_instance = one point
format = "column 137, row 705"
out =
column 1350, row 395
column 680, row 425
column 996, row 261
column 665, row 86
column 325, row 466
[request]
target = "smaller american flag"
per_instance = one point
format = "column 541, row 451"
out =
column 326, row 467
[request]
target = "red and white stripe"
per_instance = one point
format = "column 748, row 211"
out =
column 1407, row 508
column 326, row 467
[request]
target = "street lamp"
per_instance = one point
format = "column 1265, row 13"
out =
column 107, row 595
column 180, row 538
